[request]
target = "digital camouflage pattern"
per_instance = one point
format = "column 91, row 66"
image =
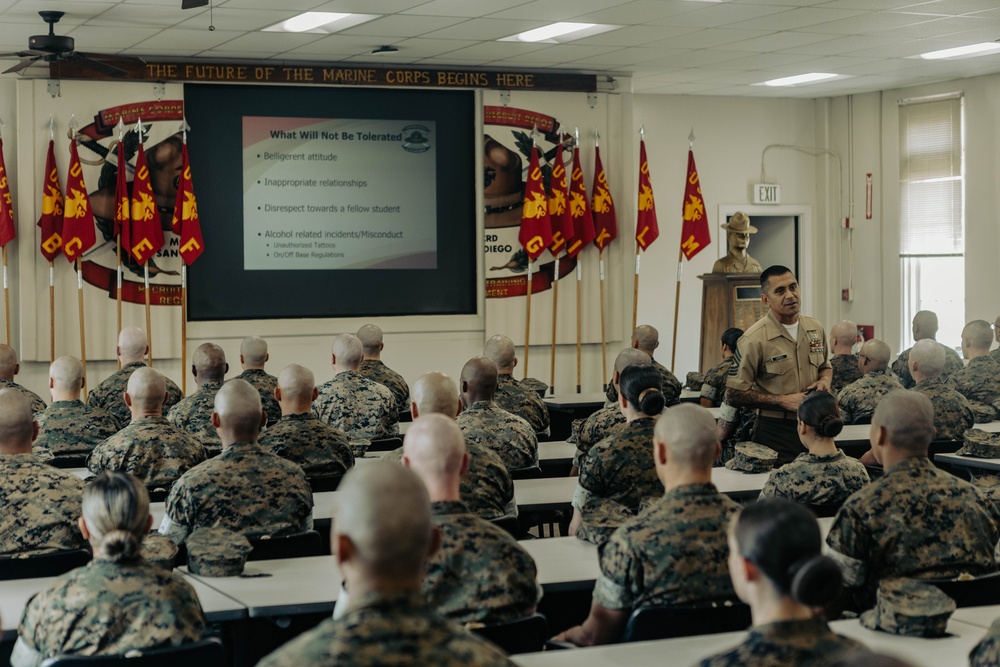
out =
column 590, row 431
column 376, row 371
column 193, row 414
column 71, row 428
column 979, row 381
column 522, row 401
column 995, row 355
column 265, row 384
column 41, row 505
column 244, row 489
column 977, row 442
column 480, row 574
column 845, row 371
column 150, row 448
column 106, row 608
column 817, row 480
column 360, row 408
column 617, row 475
column 982, row 413
column 952, row 412
column 808, row 643
column 37, row 404
column 669, row 385
column 714, row 386
column 313, row 444
column 400, row 629
column 673, row 553
column 859, row 399
column 901, row 368
column 752, row 458
column 110, row 394
column 916, row 521
column 510, row 436
column 911, row 608
column 987, row 652
column 217, row 552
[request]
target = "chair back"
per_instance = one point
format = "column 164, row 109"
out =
column 531, row 472
column 385, row 444
column 823, row 511
column 206, row 653
column 979, row 592
column 69, row 461
column 321, row 483
column 300, row 545
column 525, row 635
column 42, row 565
column 510, row 523
column 707, row 618
column 158, row 495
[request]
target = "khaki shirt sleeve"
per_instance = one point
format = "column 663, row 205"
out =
column 747, row 361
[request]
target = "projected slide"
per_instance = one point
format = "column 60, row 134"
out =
column 338, row 194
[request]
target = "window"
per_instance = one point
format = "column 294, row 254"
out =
column 932, row 214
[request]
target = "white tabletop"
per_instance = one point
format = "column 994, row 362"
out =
column 690, row 396
column 82, row 473
column 981, row 617
column 854, row 433
column 590, row 399
column 545, row 494
column 564, row 563
column 556, row 451
column 737, row 483
column 968, row 461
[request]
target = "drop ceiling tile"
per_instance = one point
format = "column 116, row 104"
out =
column 369, row 6
column 93, row 38
column 291, row 6
column 268, row 44
column 339, row 45
column 492, row 51
column 846, row 45
column 989, row 13
column 722, row 14
column 872, row 22
column 428, row 48
column 238, row 19
column 674, row 76
column 944, row 26
column 558, row 10
column 769, row 61
column 634, row 35
column 787, row 3
column 984, row 34
column 868, row 5
column 706, row 39
column 908, row 49
column 403, row 26
column 468, row 8
column 194, row 40
column 622, row 58
column 484, row 29
column 639, row 12
column 950, row 7
column 26, row 11
column 560, row 53
column 701, row 58
column 779, row 41
column 799, row 18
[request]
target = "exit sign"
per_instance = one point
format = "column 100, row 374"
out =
column 767, row 193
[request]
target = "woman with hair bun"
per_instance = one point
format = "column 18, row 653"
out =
column 117, row 602
column 824, row 475
column 777, row 567
column 618, row 473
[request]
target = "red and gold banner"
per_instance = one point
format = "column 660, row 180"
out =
column 145, row 234
column 583, row 222
column 695, row 234
column 51, row 219
column 559, row 213
column 186, row 223
column 78, row 220
column 535, row 234
column 603, row 206
column 7, row 228
column 152, row 110
column 123, row 215
column 646, row 228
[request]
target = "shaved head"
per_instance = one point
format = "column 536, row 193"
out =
column 371, row 339
column 253, row 349
column 385, row 512
column 131, row 344
column 238, row 409
column 646, row 338
column 928, row 355
column 500, row 350
column 479, row 380
column 296, row 383
column 66, row 374
column 908, row 420
column 347, row 351
column 878, row 352
column 435, row 393
column 209, row 363
column 689, row 433
column 16, row 422
column 925, row 324
column 8, row 362
column 434, row 448
column 147, row 389
column 630, row 356
column 843, row 335
column 977, row 336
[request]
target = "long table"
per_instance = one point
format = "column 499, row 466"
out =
column 967, row 461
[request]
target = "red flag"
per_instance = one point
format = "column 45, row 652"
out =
column 51, row 220
column 146, row 235
column 78, row 223
column 605, row 220
column 7, row 230
column 646, row 229
column 694, row 232
column 536, row 227
column 583, row 223
column 123, row 218
column 185, row 222
column 559, row 211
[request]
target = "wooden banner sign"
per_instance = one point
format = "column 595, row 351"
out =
column 336, row 75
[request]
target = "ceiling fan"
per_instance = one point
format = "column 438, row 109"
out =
column 60, row 48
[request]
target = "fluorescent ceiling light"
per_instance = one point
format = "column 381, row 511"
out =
column 981, row 49
column 811, row 77
column 552, row 31
column 311, row 20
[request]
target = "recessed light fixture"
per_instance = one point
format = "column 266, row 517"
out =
column 982, row 49
column 557, row 33
column 385, row 48
column 811, row 77
column 320, row 22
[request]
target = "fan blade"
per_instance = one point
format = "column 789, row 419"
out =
column 98, row 66
column 108, row 57
column 24, row 54
column 191, row 4
column 24, row 64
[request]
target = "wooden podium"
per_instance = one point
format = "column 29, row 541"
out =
column 727, row 300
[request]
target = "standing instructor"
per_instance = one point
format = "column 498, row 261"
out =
column 778, row 360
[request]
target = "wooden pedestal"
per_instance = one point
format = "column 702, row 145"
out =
column 727, row 300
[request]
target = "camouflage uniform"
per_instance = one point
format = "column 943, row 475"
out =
column 265, row 385
column 817, row 480
column 859, row 399
column 376, row 371
column 808, row 643
column 106, row 608
column 590, row 431
column 615, row 478
column 313, row 444
column 952, row 412
column 480, row 574
column 916, row 521
column 110, row 394
column 673, row 553
column 397, row 629
column 506, row 434
column 979, row 381
column 845, row 371
column 244, row 489
column 150, row 448
column 71, row 428
column 987, row 652
column 37, row 404
column 523, row 402
column 357, row 406
column 194, row 415
column 901, row 368
column 714, row 386
column 669, row 385
column 995, row 355
column 41, row 506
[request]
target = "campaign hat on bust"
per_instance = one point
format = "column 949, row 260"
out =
column 739, row 222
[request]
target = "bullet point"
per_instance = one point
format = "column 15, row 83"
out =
column 258, row 208
column 258, row 233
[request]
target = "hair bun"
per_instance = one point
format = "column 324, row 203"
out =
column 816, row 580
column 120, row 545
column 652, row 401
column 830, row 426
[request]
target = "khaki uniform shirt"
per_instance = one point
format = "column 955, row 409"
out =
column 71, row 428
column 110, row 394
column 194, row 415
column 39, row 507
column 808, row 643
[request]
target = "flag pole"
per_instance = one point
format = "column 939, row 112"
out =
column 579, row 322
column 6, row 296
column 145, row 275
column 527, row 321
column 118, row 243
column 52, row 311
column 677, row 293
column 184, row 277
column 555, row 308
column 83, row 335
column 604, row 337
column 638, row 249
